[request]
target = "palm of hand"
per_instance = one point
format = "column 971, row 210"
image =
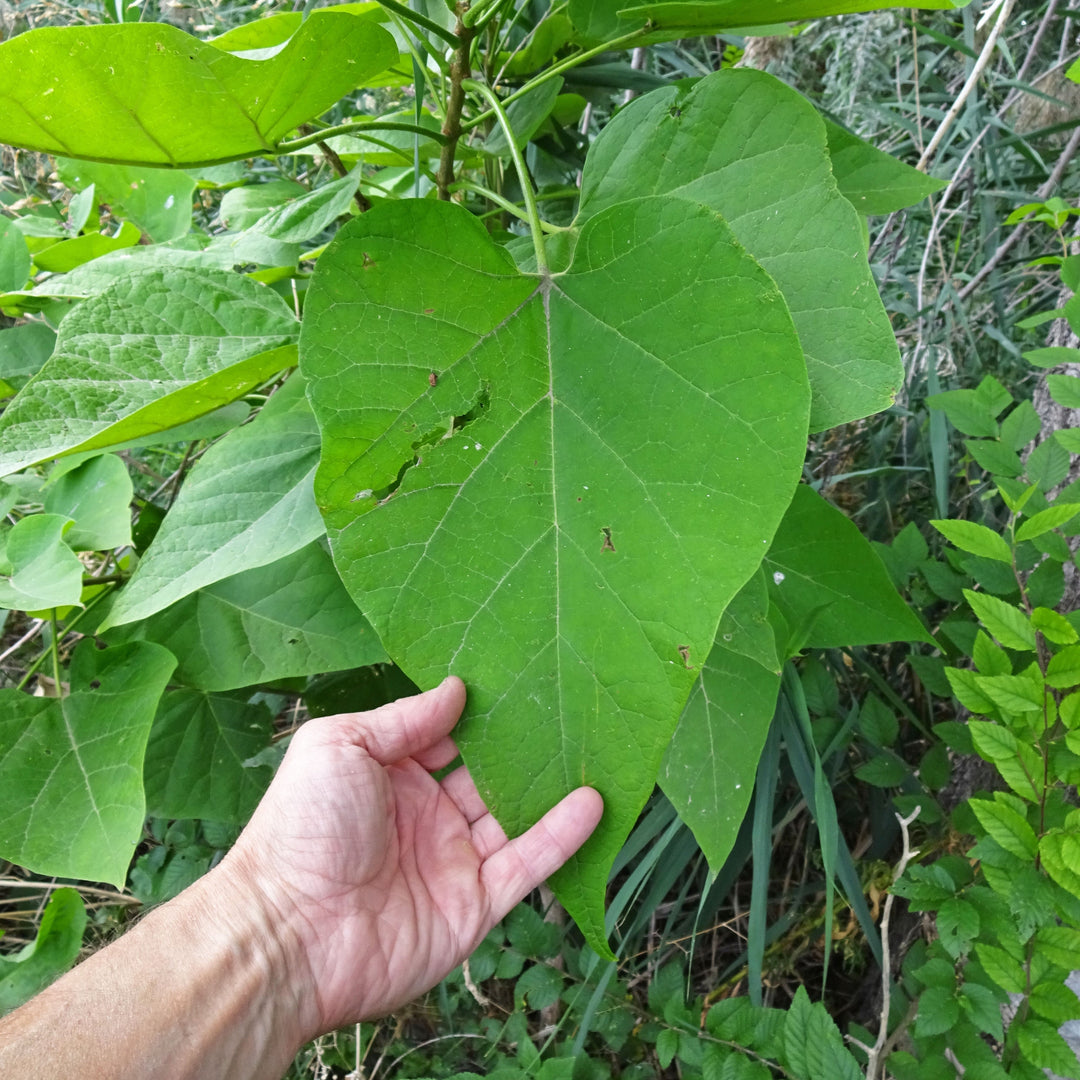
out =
column 388, row 878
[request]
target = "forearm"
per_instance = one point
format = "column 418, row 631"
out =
column 200, row 988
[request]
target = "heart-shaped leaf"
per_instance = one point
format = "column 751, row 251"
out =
column 150, row 94
column 83, row 757
column 584, row 467
column 750, row 147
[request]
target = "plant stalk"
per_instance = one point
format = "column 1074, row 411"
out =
column 452, row 126
column 531, row 210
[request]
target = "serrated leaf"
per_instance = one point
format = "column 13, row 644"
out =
column 1020, row 426
column 291, row 617
column 1063, row 671
column 533, row 450
column 957, row 926
column 1006, row 971
column 96, row 495
column 1006, row 826
column 1005, row 622
column 938, row 1011
column 989, row 658
column 154, row 350
column 1055, row 1002
column 195, row 758
column 77, row 761
column 110, row 93
column 1048, row 464
column 967, row 689
column 983, row 1008
column 750, row 147
column 247, row 502
column 708, row 769
column 1014, row 693
column 1054, row 355
column 1053, row 517
column 1060, row 945
column 1060, row 854
column 43, row 572
column 813, row 1046
column 54, row 949
column 883, row 770
column 1043, row 1047
column 820, row 565
column 975, row 538
column 1065, row 390
column 995, row 457
column 1053, row 627
column 967, row 412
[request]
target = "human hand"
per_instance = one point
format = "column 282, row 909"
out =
column 377, row 879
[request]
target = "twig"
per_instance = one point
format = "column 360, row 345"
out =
column 34, row 630
column 876, row 1052
column 969, row 86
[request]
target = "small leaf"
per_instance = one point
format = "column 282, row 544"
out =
column 14, row 257
column 1043, row 1047
column 1063, row 671
column 54, row 949
column 304, row 218
column 1055, row 1002
column 989, row 658
column 1048, row 464
column 1060, row 945
column 1007, row 623
column 938, row 1011
column 1053, row 356
column 1014, row 693
column 1006, row 971
column 967, row 412
column 1053, row 627
column 1006, row 826
column 983, row 1009
column 1065, row 390
column 995, row 457
column 975, row 538
column 967, row 689
column 1060, row 854
column 1053, row 517
column 884, row 770
column 958, row 926
column 44, row 571
column 1020, row 426
column 96, row 495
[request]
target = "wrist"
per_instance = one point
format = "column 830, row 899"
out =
column 256, row 954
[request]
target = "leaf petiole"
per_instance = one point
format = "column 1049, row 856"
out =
column 531, row 210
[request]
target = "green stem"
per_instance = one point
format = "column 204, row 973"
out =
column 357, row 128
column 421, row 20
column 54, row 650
column 527, row 192
column 31, row 671
column 502, row 201
column 557, row 69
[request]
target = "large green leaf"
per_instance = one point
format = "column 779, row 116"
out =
column 150, row 94
column 708, row 770
column 750, row 147
column 600, row 20
column 553, row 485
column 71, row 768
column 195, row 759
column 291, row 617
column 825, row 577
column 53, row 950
column 153, row 350
column 246, row 503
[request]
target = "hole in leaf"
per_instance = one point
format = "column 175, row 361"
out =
column 607, row 544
